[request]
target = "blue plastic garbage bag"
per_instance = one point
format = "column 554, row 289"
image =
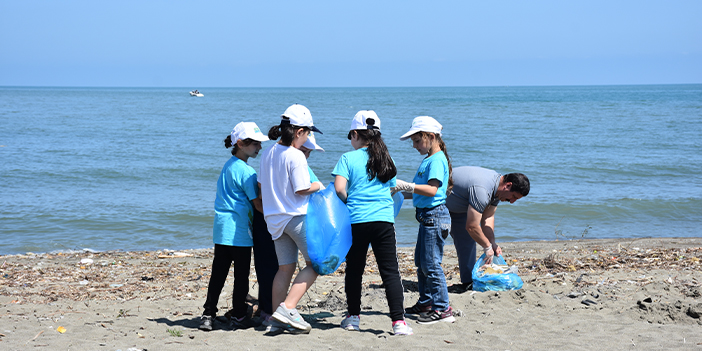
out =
column 328, row 231
column 398, row 198
column 494, row 282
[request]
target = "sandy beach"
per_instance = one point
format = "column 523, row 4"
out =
column 581, row 294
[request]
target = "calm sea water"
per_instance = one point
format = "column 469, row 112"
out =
column 133, row 168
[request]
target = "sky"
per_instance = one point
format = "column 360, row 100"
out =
column 361, row 43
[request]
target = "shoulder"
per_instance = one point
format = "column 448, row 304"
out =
column 441, row 157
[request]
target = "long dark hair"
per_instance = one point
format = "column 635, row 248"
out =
column 285, row 131
column 228, row 143
column 379, row 164
column 442, row 146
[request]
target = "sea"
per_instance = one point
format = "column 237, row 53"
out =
column 136, row 168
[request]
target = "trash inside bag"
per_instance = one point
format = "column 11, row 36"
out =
column 328, row 231
column 398, row 198
column 496, row 277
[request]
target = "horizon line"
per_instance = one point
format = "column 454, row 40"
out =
column 339, row 87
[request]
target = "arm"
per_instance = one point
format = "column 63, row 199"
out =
column 475, row 223
column 474, row 228
column 487, row 224
column 257, row 204
column 340, row 187
column 408, row 189
column 428, row 190
column 309, row 191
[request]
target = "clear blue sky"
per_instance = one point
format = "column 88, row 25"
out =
column 198, row 44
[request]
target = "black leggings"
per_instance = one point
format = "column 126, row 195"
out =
column 381, row 236
column 223, row 257
column 265, row 262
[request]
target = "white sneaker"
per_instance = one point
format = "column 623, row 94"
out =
column 290, row 317
column 351, row 323
column 401, row 328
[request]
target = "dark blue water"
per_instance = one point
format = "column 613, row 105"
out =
column 136, row 168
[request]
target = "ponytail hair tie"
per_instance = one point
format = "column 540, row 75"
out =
column 370, row 123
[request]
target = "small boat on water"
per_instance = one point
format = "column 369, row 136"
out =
column 196, row 93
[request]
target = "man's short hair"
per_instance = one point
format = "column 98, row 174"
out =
column 520, row 183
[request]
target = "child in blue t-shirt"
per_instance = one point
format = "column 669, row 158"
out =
column 363, row 179
column 431, row 185
column 237, row 195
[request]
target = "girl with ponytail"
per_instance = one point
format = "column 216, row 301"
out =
column 363, row 179
column 237, row 197
column 285, row 189
column 431, row 185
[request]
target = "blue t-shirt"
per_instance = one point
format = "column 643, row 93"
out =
column 368, row 201
column 432, row 167
column 236, row 187
column 313, row 177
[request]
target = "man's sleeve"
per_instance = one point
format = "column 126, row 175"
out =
column 478, row 198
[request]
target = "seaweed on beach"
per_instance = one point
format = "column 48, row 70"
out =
column 619, row 258
column 154, row 275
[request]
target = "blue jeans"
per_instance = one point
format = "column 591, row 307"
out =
column 465, row 246
column 434, row 228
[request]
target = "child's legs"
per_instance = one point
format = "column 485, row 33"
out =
column 220, row 269
column 419, row 257
column 385, row 251
column 465, row 246
column 242, row 267
column 304, row 279
column 286, row 252
column 297, row 230
column 355, row 265
column 433, row 223
column 265, row 262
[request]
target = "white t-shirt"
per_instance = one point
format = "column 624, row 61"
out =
column 283, row 172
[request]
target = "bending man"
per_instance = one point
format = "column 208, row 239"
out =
column 472, row 204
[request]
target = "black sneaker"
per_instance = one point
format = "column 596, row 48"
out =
column 244, row 322
column 460, row 288
column 418, row 309
column 437, row 316
column 206, row 323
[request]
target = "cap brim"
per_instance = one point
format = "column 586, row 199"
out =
column 260, row 138
column 314, row 129
column 312, row 146
column 409, row 134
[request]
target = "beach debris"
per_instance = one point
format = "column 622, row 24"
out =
column 574, row 294
column 86, row 261
column 122, row 313
column 35, row 337
column 175, row 255
column 493, row 269
column 61, row 329
column 588, row 302
column 120, row 275
column 174, row 332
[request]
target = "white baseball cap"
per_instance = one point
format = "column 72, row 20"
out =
column 247, row 130
column 300, row 116
column 311, row 143
column 361, row 119
column 423, row 124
